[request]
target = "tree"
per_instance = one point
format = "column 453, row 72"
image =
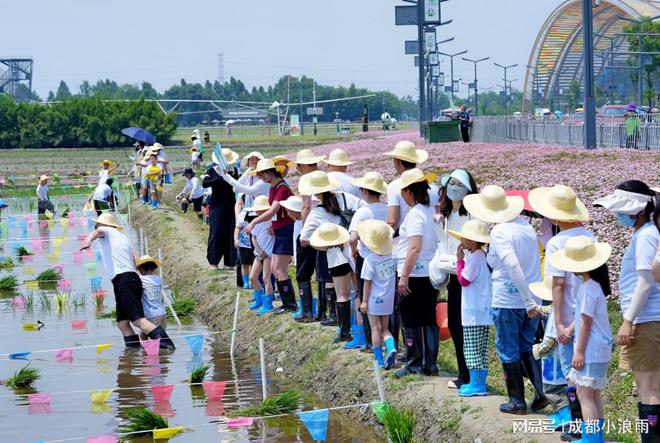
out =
column 650, row 63
column 63, row 91
column 574, row 95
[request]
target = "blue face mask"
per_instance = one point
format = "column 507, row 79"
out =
column 456, row 193
column 625, row 220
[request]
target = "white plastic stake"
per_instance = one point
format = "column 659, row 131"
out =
column 235, row 327
column 262, row 358
column 146, row 245
column 168, row 302
column 130, row 226
column 141, row 241
column 379, row 382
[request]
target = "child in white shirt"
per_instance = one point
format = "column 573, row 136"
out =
column 152, row 292
column 263, row 242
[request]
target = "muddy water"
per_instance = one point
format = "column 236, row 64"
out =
column 70, row 413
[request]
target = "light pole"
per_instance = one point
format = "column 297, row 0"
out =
column 589, row 100
column 451, row 58
column 506, row 95
column 639, row 23
column 476, row 86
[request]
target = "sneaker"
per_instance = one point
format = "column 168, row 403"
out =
column 455, row 384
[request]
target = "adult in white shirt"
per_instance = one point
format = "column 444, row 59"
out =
column 338, row 163
column 305, row 163
column 514, row 256
column 639, row 294
column 248, row 184
column 418, row 297
column 102, row 196
column 119, row 262
column 107, row 169
column 192, row 193
column 43, row 200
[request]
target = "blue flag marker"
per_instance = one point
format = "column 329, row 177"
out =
column 19, row 355
column 96, row 283
column 196, row 343
column 316, row 423
column 560, row 418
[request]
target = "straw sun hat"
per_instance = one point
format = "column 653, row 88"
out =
column 372, row 181
column 43, row 178
column 293, row 203
column 147, row 259
column 259, row 204
column 580, row 254
column 407, row 151
column 281, row 158
column 558, row 203
column 317, row 182
column 264, row 165
column 307, row 157
column 376, row 235
column 542, row 289
column 338, row 157
column 328, row 235
column 492, row 205
column 415, row 176
column 256, row 154
column 230, row 156
column 472, row 230
column 108, row 219
column 107, row 162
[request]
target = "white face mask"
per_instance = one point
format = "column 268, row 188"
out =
column 456, row 192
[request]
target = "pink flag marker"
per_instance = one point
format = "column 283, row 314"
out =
column 43, row 224
column 36, row 245
column 152, row 371
column 162, row 393
column 77, row 257
column 59, row 268
column 39, row 399
column 151, row 347
column 214, row 409
column 78, row 324
column 214, row 389
column 18, row 303
column 64, row 285
column 64, row 355
column 240, row 422
column 164, row 409
column 82, row 237
column 102, row 439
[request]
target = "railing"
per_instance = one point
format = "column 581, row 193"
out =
column 610, row 132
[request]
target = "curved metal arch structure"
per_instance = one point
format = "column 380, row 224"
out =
column 557, row 58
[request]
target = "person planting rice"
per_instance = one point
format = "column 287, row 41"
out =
column 103, row 196
column 192, row 193
column 152, row 292
column 43, row 200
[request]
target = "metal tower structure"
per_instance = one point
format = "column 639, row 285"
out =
column 221, row 68
column 16, row 77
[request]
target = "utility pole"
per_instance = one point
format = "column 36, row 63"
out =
column 422, row 63
column 302, row 127
column 589, row 100
column 506, row 92
column 315, row 119
column 451, row 60
column 476, row 85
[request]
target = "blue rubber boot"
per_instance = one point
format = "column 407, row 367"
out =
column 257, row 299
column 378, row 356
column 359, row 339
column 168, row 179
column 246, row 282
column 390, row 348
column 590, row 435
column 477, row 385
column 267, row 301
column 297, row 314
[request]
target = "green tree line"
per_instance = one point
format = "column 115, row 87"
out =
column 79, row 122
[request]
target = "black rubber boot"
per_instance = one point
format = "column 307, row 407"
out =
column 515, row 388
column 331, row 298
column 414, row 352
column 165, row 340
column 367, row 330
column 576, row 415
column 288, row 295
column 532, row 370
column 132, row 341
column 305, row 292
column 321, row 305
column 431, row 344
column 344, row 321
column 649, row 413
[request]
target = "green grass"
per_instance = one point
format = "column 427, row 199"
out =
column 21, row 251
column 199, row 373
column 6, row 263
column 141, row 421
column 283, row 403
column 399, row 425
column 184, row 307
column 9, row 283
column 23, row 378
column 110, row 314
column 48, row 279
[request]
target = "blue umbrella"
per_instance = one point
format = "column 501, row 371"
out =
column 139, row 134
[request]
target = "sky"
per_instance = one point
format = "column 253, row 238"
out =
column 337, row 42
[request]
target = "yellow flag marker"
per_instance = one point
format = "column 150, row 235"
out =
column 49, row 214
column 100, row 396
column 32, row 285
column 168, row 432
column 31, row 327
column 102, row 347
column 64, row 222
column 54, row 257
column 29, row 270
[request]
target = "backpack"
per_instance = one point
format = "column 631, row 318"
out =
column 346, row 214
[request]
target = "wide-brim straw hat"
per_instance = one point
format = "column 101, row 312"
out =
column 282, row 158
column 43, row 178
column 472, row 230
column 108, row 219
column 559, row 203
column 317, row 182
column 147, row 259
column 492, row 205
column 107, row 162
column 372, row 181
column 307, row 157
column 259, row 204
column 407, row 151
column 542, row 289
column 293, row 203
column 338, row 157
column 328, row 235
column 264, row 165
column 230, row 156
column 376, row 235
column 580, row 254
column 256, row 154
column 415, row 175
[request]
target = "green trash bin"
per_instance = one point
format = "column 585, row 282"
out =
column 442, row 131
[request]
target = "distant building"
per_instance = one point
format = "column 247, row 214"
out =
column 16, row 78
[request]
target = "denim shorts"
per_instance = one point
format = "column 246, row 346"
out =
column 592, row 375
column 514, row 333
column 566, row 357
column 284, row 240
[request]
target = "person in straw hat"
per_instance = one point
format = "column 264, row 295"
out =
column 192, row 193
column 583, row 256
column 153, row 303
column 153, row 175
column 163, row 162
column 222, row 219
column 195, row 162
column 282, row 227
column 43, row 199
column 543, row 290
column 306, row 162
column 514, row 256
column 337, row 165
column 263, row 242
column 418, row 298
column 632, row 202
column 405, row 156
column 119, row 262
column 196, row 141
column 379, row 279
column 371, row 187
column 283, row 164
column 474, row 276
column 107, row 168
column 563, row 208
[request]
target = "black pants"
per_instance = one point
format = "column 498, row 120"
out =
column 465, row 133
column 454, row 292
column 100, row 206
column 305, row 262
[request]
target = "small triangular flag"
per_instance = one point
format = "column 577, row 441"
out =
column 316, row 422
column 102, row 347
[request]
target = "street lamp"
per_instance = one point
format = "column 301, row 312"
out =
column 476, row 87
column 506, row 95
column 639, row 24
column 451, row 58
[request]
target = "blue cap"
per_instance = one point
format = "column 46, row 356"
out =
column 459, row 174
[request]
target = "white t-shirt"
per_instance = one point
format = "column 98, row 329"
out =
column 418, row 222
column 243, row 238
column 265, row 240
column 152, row 296
column 394, row 198
column 519, row 238
column 194, row 156
column 381, row 271
column 592, row 303
column 454, row 222
column 318, row 215
column 346, row 182
column 572, row 281
column 476, row 297
column 104, row 174
column 102, row 193
column 639, row 257
column 193, row 188
column 372, row 211
column 116, row 252
column 340, row 256
column 42, row 192
column 198, row 144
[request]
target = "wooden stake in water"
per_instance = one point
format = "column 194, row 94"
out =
column 233, row 330
column 166, row 298
column 141, row 242
column 262, row 358
column 379, row 382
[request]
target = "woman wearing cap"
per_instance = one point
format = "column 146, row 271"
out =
column 453, row 215
column 515, row 261
column 417, row 296
column 221, row 216
column 639, row 295
column 371, row 187
column 43, row 199
column 192, row 193
column 107, row 169
column 338, row 163
column 119, row 262
column 282, row 229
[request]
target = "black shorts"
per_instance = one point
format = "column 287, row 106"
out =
column 197, row 203
column 284, row 241
column 418, row 307
column 341, row 270
column 128, row 296
column 246, row 255
column 322, row 273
